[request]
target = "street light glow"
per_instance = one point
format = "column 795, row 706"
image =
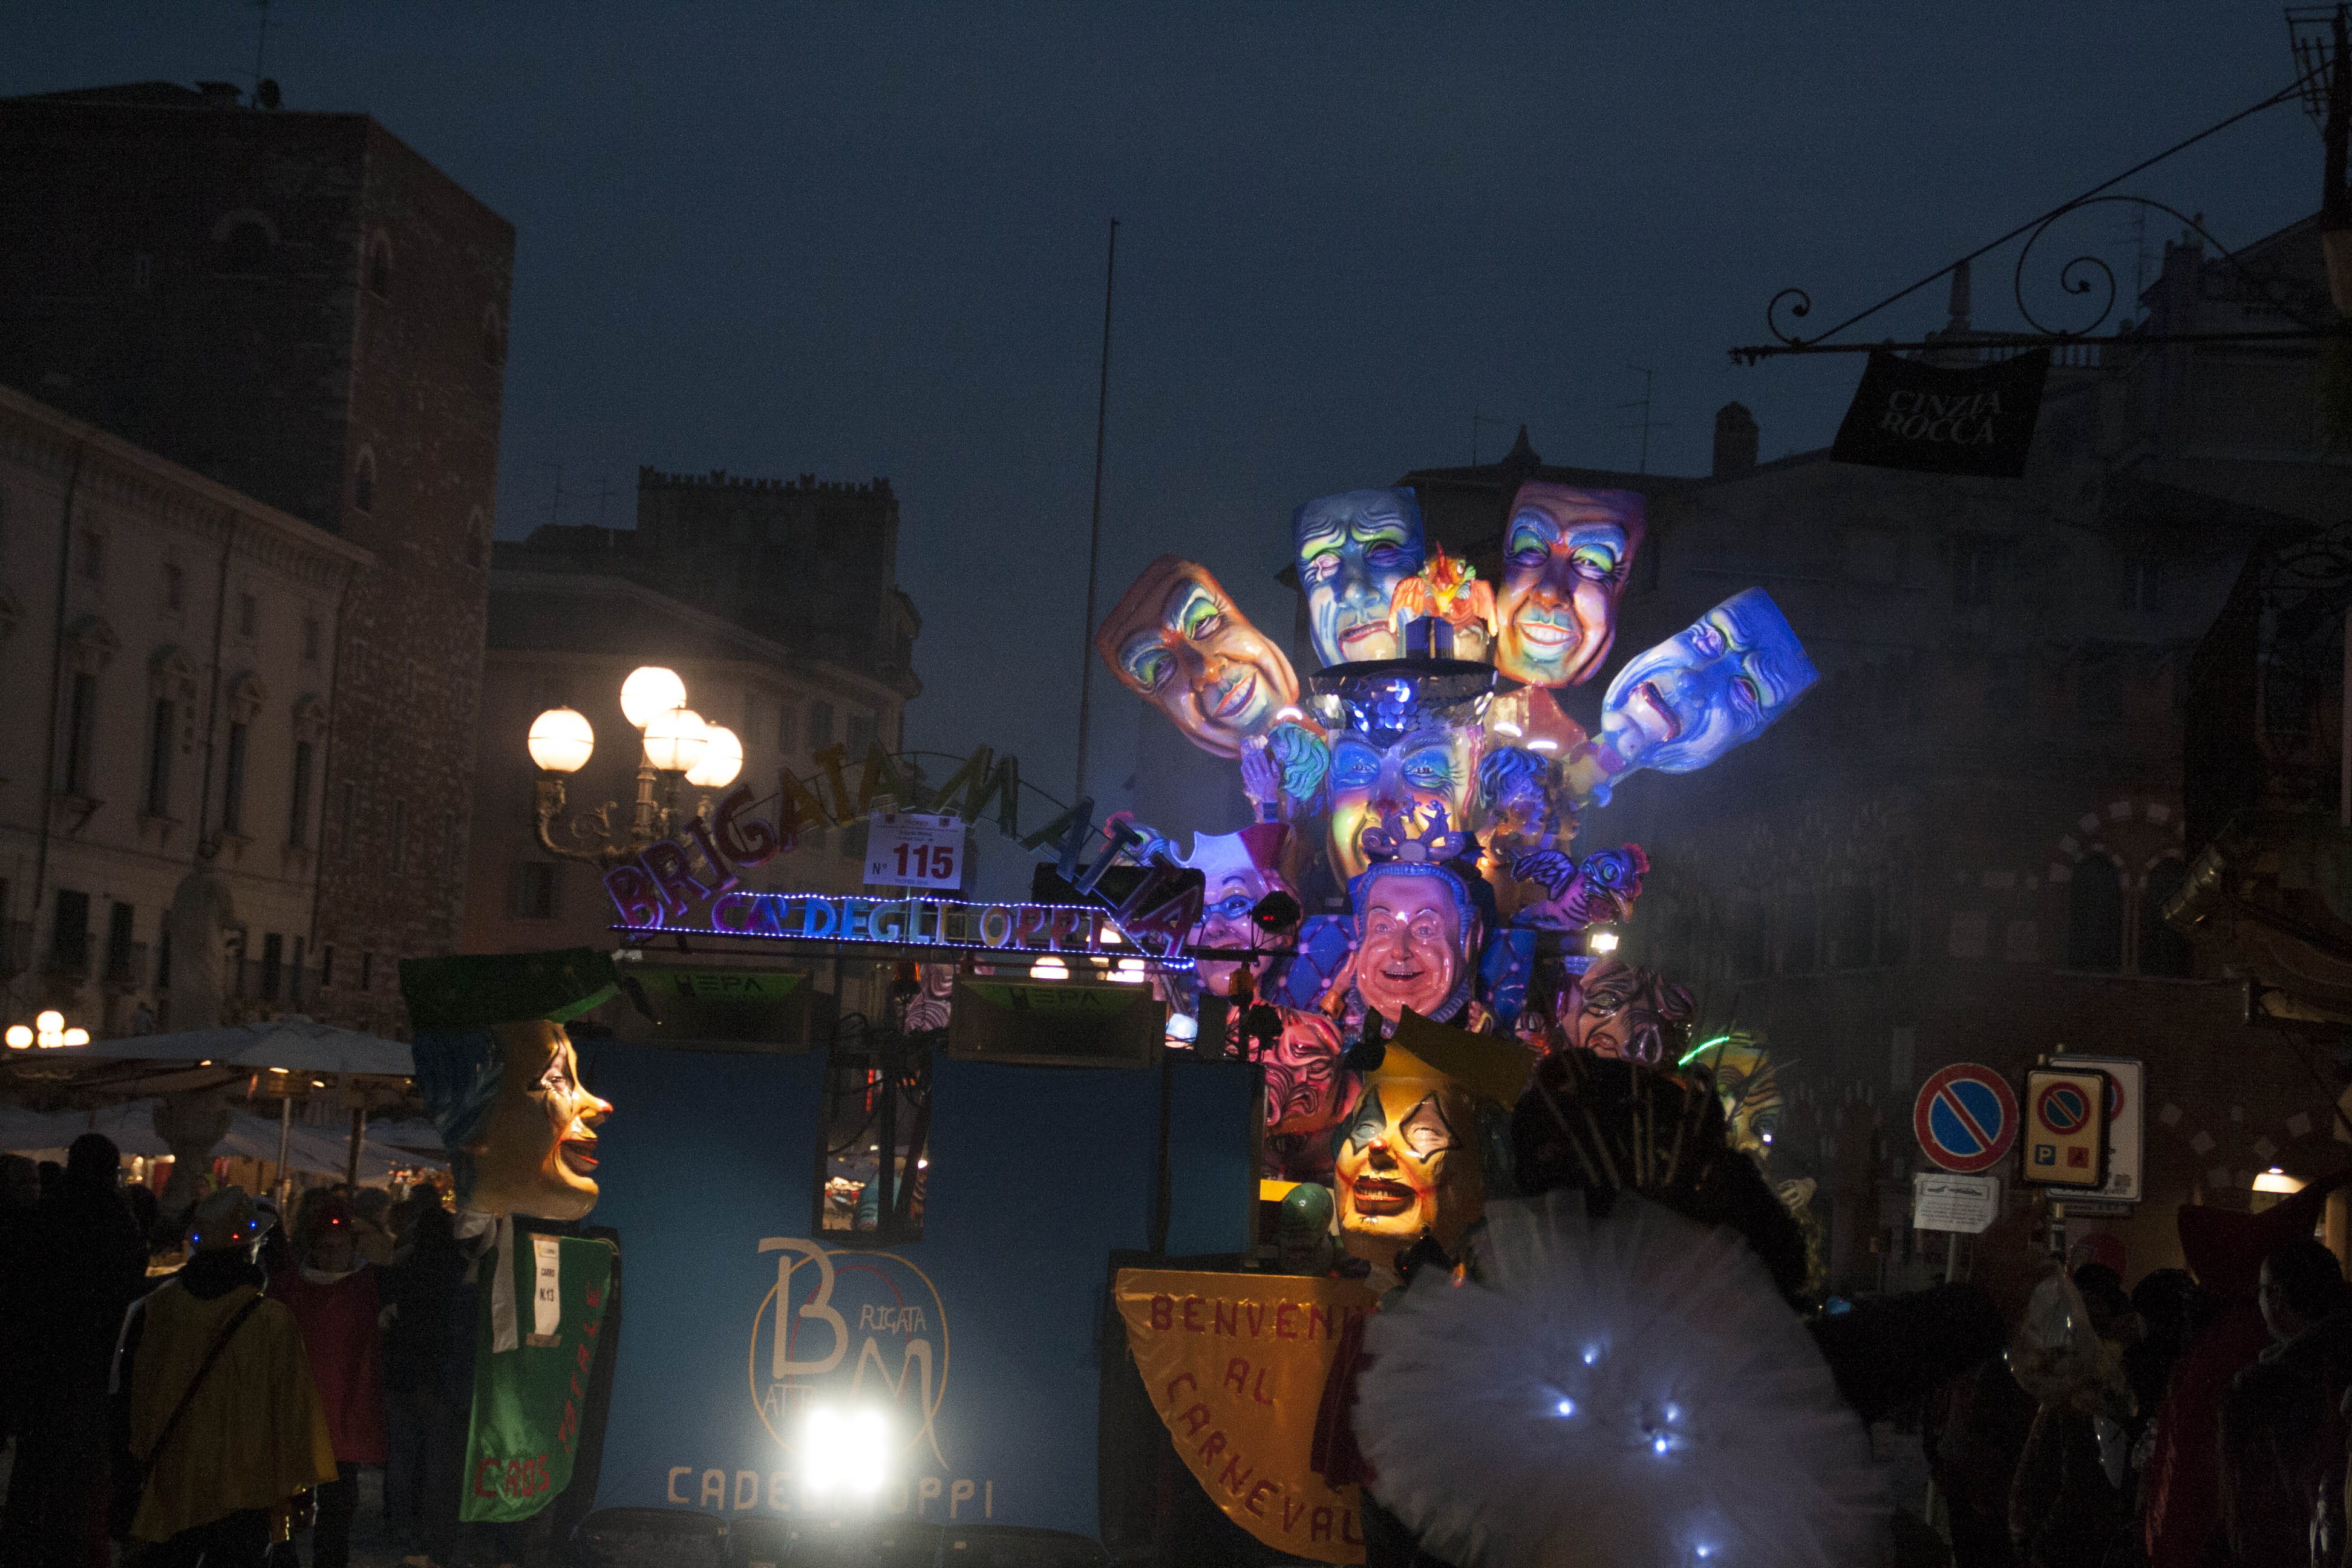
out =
column 722, row 759
column 650, row 689
column 561, row 740
column 675, row 740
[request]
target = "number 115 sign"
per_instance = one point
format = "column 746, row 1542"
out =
column 908, row 850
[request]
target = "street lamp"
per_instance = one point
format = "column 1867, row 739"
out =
column 674, row 744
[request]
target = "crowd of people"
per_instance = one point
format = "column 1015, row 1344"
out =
column 219, row 1414
column 2201, row 1423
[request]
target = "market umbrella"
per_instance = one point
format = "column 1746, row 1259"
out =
column 131, row 1126
column 294, row 1045
column 286, row 1044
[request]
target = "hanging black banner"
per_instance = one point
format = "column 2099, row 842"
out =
column 1906, row 414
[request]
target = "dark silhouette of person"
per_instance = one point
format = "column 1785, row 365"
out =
column 87, row 1264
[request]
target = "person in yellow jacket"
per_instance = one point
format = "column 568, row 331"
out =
column 253, row 1434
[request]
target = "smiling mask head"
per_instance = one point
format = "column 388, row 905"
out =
column 1566, row 555
column 1177, row 638
column 495, row 1070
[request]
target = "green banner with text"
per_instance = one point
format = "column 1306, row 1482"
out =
column 543, row 1303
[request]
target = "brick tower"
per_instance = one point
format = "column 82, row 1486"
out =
column 301, row 307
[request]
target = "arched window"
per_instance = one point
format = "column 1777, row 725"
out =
column 363, row 482
column 2094, row 916
column 379, row 270
column 2162, row 950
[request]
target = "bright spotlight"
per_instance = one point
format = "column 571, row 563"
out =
column 848, row 1452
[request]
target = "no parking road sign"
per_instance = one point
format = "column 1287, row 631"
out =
column 1966, row 1119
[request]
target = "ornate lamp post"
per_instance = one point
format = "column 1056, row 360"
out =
column 677, row 746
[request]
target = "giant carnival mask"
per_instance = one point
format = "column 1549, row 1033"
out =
column 506, row 1095
column 1415, row 931
column 1177, row 638
column 1432, row 767
column 1411, row 1163
column 1353, row 550
column 1566, row 553
column 1750, row 1093
column 1613, row 1009
column 1306, row 1085
column 1695, row 696
column 1237, row 869
column 521, row 1130
column 1408, row 1165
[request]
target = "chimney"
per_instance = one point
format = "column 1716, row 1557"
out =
column 1736, row 440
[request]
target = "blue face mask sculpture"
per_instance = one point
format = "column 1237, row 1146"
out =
column 1686, row 702
column 1353, row 550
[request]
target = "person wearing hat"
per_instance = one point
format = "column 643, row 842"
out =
column 222, row 1409
column 332, row 1293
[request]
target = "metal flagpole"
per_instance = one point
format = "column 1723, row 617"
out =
column 1094, row 536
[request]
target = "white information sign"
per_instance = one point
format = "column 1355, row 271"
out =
column 908, row 849
column 2126, row 1123
column 1942, row 1201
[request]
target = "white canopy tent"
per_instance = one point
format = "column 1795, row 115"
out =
column 290, row 1046
column 131, row 1125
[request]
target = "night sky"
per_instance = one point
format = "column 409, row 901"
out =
column 857, row 242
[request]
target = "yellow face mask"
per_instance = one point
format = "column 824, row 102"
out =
column 537, row 1153
column 1408, row 1167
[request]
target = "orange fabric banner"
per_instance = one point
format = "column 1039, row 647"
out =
column 1234, row 1364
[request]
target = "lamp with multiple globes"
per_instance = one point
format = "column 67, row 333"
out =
column 677, row 746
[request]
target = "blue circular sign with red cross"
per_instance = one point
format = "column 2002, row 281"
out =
column 2063, row 1109
column 1966, row 1118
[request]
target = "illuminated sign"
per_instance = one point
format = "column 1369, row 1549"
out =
column 916, row 922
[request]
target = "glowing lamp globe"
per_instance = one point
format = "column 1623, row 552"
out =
column 722, row 759
column 49, row 1022
column 561, row 740
column 20, row 1038
column 675, row 740
column 648, row 691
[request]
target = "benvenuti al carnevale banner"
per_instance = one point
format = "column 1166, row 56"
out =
column 1234, row 1364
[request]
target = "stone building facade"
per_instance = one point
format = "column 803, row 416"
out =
column 1957, row 847
column 301, row 308
column 168, row 658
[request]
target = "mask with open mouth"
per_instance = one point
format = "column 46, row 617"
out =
column 1567, row 551
column 1408, row 1166
column 1353, row 550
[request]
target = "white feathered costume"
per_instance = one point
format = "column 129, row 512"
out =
column 1621, row 1392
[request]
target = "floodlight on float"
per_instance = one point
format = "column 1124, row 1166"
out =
column 562, row 741
column 847, row 1451
column 650, row 689
column 675, row 740
column 1049, row 969
column 1603, row 941
column 722, row 759
column 2276, row 1180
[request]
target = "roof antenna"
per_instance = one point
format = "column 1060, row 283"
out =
column 265, row 91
